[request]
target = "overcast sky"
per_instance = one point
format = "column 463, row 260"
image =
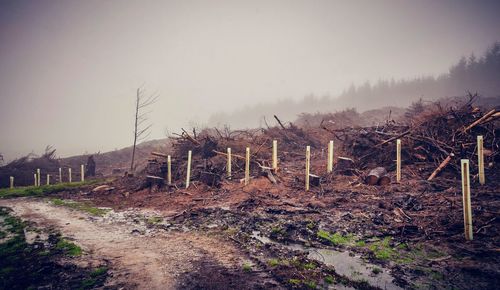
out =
column 69, row 69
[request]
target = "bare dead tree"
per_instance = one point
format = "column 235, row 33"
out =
column 141, row 130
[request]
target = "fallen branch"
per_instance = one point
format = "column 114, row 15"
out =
column 159, row 154
column 393, row 138
column 478, row 121
column 187, row 136
column 279, row 122
column 232, row 155
column 441, row 166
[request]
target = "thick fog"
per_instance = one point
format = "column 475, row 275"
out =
column 69, row 70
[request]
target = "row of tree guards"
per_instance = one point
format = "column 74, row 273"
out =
column 37, row 177
column 464, row 166
column 464, row 172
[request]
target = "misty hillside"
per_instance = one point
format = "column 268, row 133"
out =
column 118, row 160
column 473, row 74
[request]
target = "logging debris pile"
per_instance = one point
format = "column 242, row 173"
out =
column 434, row 141
column 435, row 138
column 23, row 168
column 209, row 151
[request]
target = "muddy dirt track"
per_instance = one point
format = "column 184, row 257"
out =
column 263, row 235
column 153, row 261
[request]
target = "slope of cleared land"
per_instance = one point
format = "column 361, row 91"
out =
column 343, row 233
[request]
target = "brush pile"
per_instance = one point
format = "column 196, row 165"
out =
column 209, row 151
column 23, row 168
column 435, row 138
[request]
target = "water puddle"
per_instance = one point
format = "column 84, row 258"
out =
column 352, row 267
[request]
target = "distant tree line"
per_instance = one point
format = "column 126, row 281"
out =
column 471, row 74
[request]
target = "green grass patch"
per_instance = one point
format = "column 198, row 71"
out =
column 329, row 279
column 69, row 248
column 88, row 283
column 154, row 220
column 42, row 190
column 273, row 262
column 310, row 266
column 294, row 281
column 382, row 249
column 247, row 268
column 80, row 206
column 310, row 284
column 99, row 271
column 335, row 238
column 277, row 231
column 360, row 243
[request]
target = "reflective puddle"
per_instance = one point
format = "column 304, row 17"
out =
column 352, row 267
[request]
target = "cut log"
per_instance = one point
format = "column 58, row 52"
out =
column 384, row 180
column 101, row 188
column 158, row 154
column 266, row 171
column 375, row 174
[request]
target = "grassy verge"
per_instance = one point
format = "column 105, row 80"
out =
column 42, row 190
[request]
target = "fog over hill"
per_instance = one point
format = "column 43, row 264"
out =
column 470, row 74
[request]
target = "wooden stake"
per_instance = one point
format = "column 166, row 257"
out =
column 82, row 173
column 480, row 159
column 169, row 170
column 308, row 166
column 329, row 166
column 48, row 179
column 275, row 156
column 188, row 175
column 12, row 182
column 69, row 173
column 247, row 166
column 228, row 166
column 38, row 177
column 466, row 199
column 398, row 160
column 60, row 175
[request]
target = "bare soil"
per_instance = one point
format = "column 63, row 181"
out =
column 155, row 261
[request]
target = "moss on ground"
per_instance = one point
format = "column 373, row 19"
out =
column 335, row 238
column 81, row 206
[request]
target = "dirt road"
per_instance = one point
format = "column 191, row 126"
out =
column 152, row 261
